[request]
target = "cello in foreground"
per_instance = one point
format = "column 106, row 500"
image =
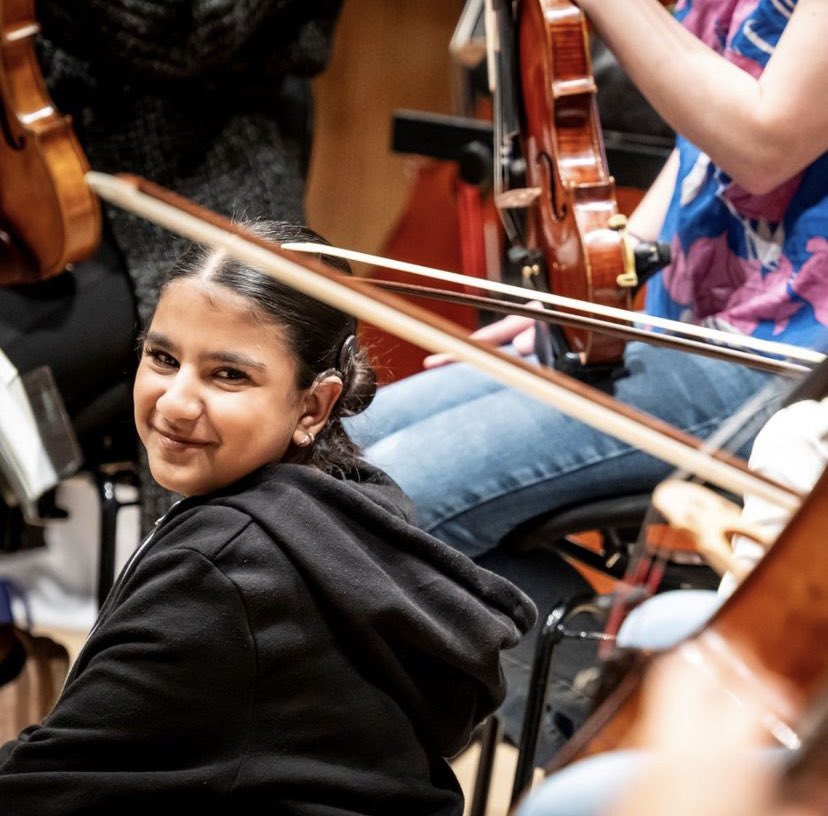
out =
column 766, row 643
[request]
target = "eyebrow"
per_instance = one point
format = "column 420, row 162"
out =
column 230, row 357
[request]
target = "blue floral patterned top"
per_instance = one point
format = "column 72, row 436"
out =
column 756, row 264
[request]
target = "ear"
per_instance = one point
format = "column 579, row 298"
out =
column 317, row 407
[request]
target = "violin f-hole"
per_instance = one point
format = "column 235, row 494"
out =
column 17, row 143
column 557, row 205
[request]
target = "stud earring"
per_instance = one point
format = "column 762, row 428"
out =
column 308, row 440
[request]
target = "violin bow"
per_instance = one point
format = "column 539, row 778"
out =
column 427, row 330
column 573, row 305
column 559, row 318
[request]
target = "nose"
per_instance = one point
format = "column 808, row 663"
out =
column 181, row 399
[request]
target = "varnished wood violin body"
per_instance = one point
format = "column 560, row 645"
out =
column 49, row 218
column 574, row 221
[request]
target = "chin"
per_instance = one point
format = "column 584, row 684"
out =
column 173, row 481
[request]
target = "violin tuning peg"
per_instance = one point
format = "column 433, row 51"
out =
column 617, row 222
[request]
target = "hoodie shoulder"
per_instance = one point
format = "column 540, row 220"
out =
column 428, row 620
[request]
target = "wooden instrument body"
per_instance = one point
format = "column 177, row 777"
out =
column 770, row 633
column 565, row 157
column 51, row 216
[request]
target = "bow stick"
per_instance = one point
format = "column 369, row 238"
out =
column 725, row 338
column 769, row 364
column 427, row 330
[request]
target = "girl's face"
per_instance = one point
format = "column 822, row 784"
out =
column 215, row 393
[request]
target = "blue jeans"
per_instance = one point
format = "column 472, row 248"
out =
column 477, row 458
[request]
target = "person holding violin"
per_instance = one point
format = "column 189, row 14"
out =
column 743, row 202
column 209, row 97
column 285, row 640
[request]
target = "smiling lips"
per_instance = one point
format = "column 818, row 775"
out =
column 179, row 443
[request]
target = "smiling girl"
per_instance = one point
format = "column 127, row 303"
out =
column 285, row 640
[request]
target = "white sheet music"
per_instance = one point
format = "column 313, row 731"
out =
column 25, row 466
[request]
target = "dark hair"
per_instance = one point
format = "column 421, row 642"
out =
column 319, row 336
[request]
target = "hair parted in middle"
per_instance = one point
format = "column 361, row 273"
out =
column 321, row 338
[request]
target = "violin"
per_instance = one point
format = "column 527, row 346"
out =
column 49, row 218
column 571, row 237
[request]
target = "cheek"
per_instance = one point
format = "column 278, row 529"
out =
column 139, row 390
column 145, row 394
column 260, row 431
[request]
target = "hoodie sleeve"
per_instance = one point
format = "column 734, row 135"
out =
column 181, row 626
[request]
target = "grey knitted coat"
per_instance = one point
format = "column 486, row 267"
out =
column 192, row 95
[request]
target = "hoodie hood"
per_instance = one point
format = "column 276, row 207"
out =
column 427, row 619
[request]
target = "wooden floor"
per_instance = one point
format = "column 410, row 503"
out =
column 465, row 766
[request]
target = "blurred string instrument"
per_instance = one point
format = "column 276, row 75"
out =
column 685, row 524
column 49, row 218
column 767, row 640
column 787, row 592
column 765, row 643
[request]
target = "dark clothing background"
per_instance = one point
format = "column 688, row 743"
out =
column 210, row 98
column 291, row 645
column 193, row 96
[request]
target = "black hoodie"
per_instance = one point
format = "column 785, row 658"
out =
column 292, row 645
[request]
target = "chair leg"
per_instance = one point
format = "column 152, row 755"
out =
column 550, row 635
column 110, row 505
column 489, row 739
